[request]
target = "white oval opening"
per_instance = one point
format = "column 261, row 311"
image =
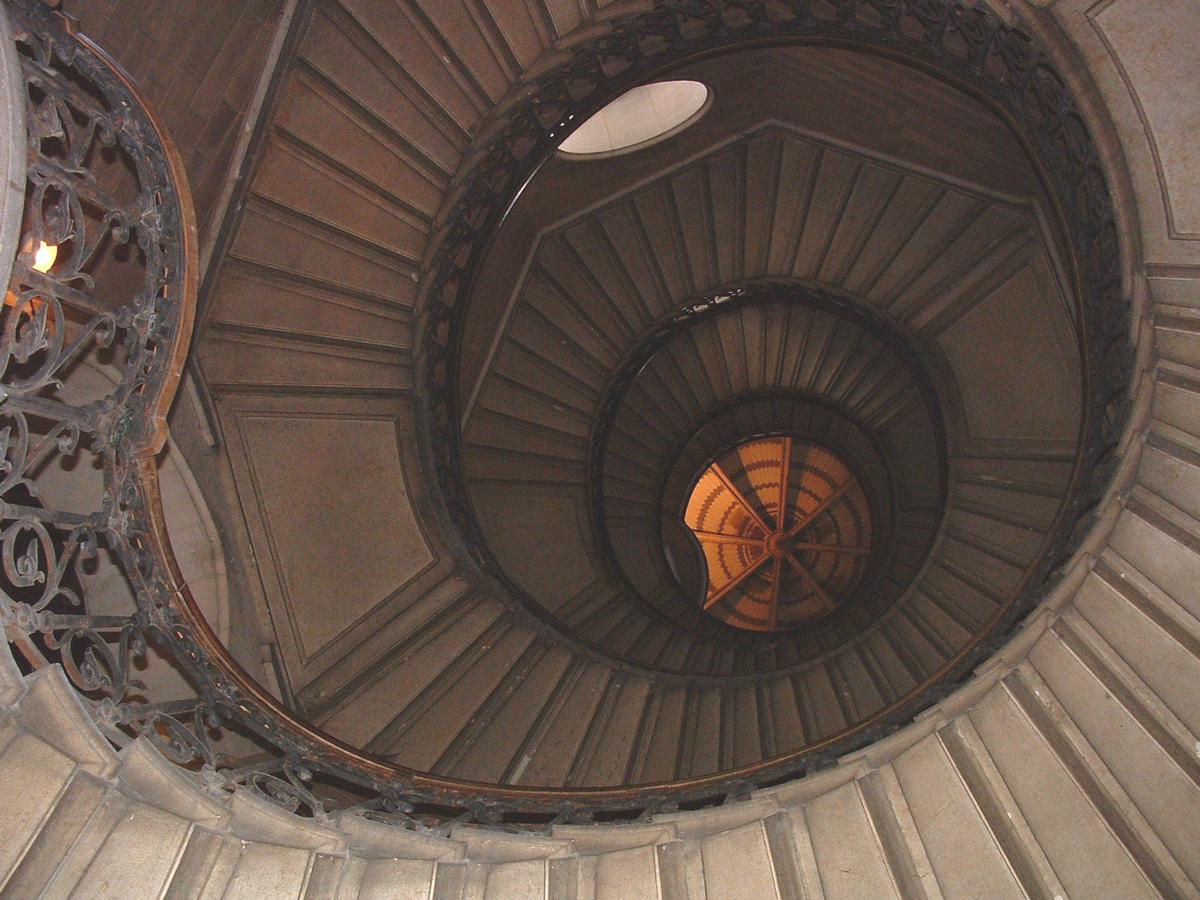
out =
column 639, row 117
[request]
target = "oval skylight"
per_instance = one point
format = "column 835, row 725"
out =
column 638, row 118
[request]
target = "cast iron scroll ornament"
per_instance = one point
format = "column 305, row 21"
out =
column 83, row 112
column 104, row 276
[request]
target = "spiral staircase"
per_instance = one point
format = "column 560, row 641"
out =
column 804, row 506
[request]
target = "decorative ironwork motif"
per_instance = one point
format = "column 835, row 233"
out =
column 103, row 277
column 107, row 192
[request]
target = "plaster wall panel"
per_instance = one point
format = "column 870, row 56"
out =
column 345, row 571
column 343, row 534
column 1154, row 46
column 1141, row 57
column 1040, row 394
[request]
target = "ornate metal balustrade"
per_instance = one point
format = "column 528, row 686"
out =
column 107, row 192
column 104, row 278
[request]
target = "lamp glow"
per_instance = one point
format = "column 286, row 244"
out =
column 45, row 256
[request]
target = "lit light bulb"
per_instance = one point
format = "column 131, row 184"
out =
column 43, row 260
column 45, row 256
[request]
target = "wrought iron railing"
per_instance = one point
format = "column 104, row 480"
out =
column 106, row 191
column 104, row 277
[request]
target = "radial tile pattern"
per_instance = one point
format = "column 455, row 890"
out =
column 785, row 529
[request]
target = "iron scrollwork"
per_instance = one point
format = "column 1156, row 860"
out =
column 102, row 279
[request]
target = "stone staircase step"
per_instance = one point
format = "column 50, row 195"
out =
column 1147, row 641
column 850, row 860
column 1002, row 815
column 386, row 878
column 1153, row 780
column 51, row 710
column 39, row 843
column 267, row 870
column 205, row 866
column 1085, row 854
column 137, row 856
column 951, row 826
column 324, row 876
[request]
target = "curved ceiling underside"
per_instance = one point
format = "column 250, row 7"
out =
column 785, row 529
column 950, row 265
column 418, row 661
column 1095, row 727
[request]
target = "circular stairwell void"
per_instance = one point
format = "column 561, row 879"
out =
column 613, row 259
column 824, row 424
column 821, row 368
column 907, row 279
column 784, row 529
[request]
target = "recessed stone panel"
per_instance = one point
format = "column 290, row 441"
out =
column 1016, row 362
column 530, row 534
column 339, row 521
column 1155, row 49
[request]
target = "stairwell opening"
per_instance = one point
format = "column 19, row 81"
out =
column 783, row 527
column 788, row 266
column 639, row 118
